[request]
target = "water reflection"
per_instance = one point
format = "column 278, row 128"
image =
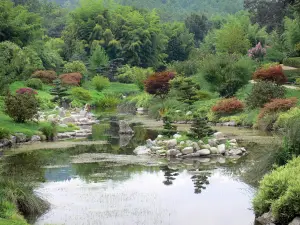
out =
column 169, row 174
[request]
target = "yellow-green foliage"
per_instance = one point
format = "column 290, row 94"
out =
column 142, row 100
column 100, row 82
column 81, row 94
column 284, row 117
column 279, row 192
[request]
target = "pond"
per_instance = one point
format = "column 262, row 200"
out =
column 106, row 184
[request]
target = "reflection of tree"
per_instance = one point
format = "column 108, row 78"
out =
column 170, row 175
column 200, row 182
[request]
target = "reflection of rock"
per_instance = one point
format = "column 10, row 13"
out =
column 200, row 182
column 125, row 139
column 169, row 174
column 125, row 128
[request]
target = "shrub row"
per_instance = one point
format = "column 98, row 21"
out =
column 294, row 62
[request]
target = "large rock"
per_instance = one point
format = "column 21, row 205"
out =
column 195, row 146
column 192, row 155
column 205, row 146
column 61, row 112
column 35, row 138
column 176, row 136
column 204, row 152
column 150, row 143
column 125, row 139
column 125, row 128
column 222, row 141
column 295, row 221
column 235, row 151
column 213, row 142
column 156, row 148
column 222, row 148
column 187, row 150
column 218, row 135
column 214, row 150
column 21, row 137
column 173, row 152
column 68, row 120
column 266, row 219
column 142, row 150
column 171, row 143
column 5, row 143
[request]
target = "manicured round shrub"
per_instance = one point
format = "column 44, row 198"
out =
column 273, row 74
column 75, row 67
column 263, row 92
column 35, row 83
column 72, row 79
column 81, row 94
column 228, row 106
column 21, row 107
column 46, row 76
column 4, row 133
column 100, row 82
column 26, row 91
column 278, row 105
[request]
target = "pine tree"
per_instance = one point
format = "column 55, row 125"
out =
column 169, row 129
column 200, row 128
column 59, row 92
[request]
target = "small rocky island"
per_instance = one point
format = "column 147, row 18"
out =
column 218, row 144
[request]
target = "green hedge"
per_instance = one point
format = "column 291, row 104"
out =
column 279, row 192
column 292, row 75
column 293, row 62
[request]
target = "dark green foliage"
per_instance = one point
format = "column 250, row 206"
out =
column 227, row 73
column 186, row 68
column 263, row 92
column 59, row 92
column 200, row 128
column 168, row 128
column 292, row 133
column 293, row 62
column 186, row 89
column 292, row 75
column 21, row 107
column 49, row 130
column 197, row 25
column 35, row 83
column 4, row 133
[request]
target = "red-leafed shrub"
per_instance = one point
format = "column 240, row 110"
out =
column 273, row 74
column 46, row 76
column 228, row 106
column 72, row 79
column 278, row 105
column 26, row 91
column 158, row 84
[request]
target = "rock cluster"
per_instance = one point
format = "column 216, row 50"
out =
column 217, row 145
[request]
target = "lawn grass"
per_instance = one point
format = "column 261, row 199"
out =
column 44, row 94
column 12, row 222
column 293, row 93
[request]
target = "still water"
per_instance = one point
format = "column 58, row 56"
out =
column 106, row 184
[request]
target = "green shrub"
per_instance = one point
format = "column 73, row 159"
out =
column 274, row 55
column 4, row 133
column 100, row 82
column 34, row 83
column 135, row 75
column 75, row 67
column 45, row 103
column 279, row 192
column 108, row 102
column 297, row 81
column 292, row 134
column 142, row 100
column 81, row 94
column 292, row 75
column 227, row 73
column 284, row 117
column 263, row 92
column 49, row 130
column 21, row 107
column 293, row 62
column 186, row 68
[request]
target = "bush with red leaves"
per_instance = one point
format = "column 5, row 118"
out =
column 273, row 74
column 46, row 76
column 72, row 79
column 158, row 84
column 26, row 91
column 228, row 106
column 278, row 105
